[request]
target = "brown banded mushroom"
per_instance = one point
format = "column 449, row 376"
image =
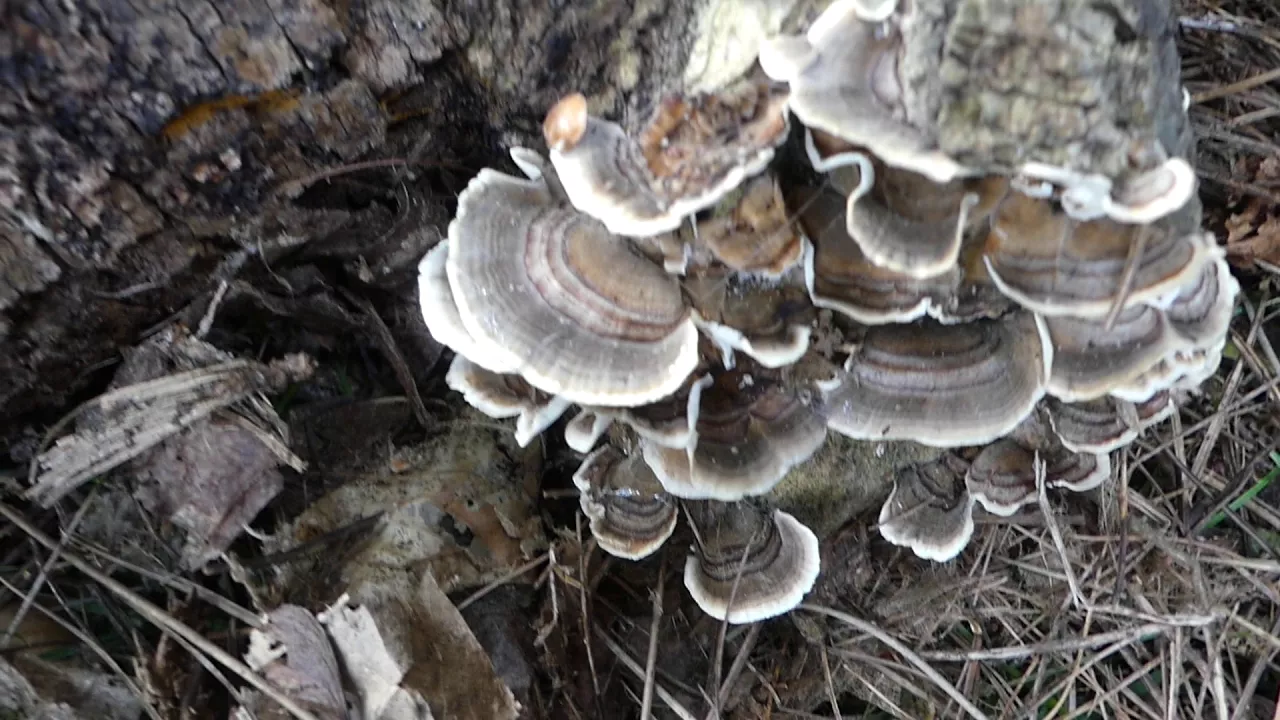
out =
column 748, row 564
column 692, row 151
column 1000, row 478
column 1105, row 424
column 844, row 81
column 756, row 237
column 977, row 295
column 1182, row 370
column 901, row 220
column 549, row 292
column 586, row 428
column 1143, row 198
column 668, row 422
column 839, row 275
column 929, row 510
column 440, row 312
column 630, row 514
column 1201, row 312
column 750, row 431
column 769, row 322
column 941, row 385
column 1090, row 361
column 1003, row 475
column 505, row 396
column 1055, row 265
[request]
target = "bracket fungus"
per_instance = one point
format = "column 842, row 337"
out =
column 1142, row 198
column 840, row 276
column 631, row 516
column 1014, row 276
column 691, row 152
column 505, row 396
column 749, row 432
column 843, row 75
column 771, row 323
column 575, row 310
column 929, row 510
column 1054, row 265
column 756, row 236
column 748, row 564
column 941, row 385
column 1107, row 423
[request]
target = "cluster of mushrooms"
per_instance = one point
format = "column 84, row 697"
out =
column 711, row 326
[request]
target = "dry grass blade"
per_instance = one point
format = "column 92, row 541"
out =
column 163, row 620
column 906, row 652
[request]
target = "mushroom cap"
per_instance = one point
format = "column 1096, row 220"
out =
column 440, row 312
column 769, row 322
column 750, row 433
column 1056, row 266
column 749, row 565
column 844, row 81
column 1106, row 423
column 1141, row 199
column 905, row 222
column 1001, row 477
column 504, row 396
column 630, row 515
column 667, row 422
column 586, row 428
column 1076, row 471
column 941, row 385
column 757, row 236
column 1200, row 314
column 1184, row 369
column 840, row 276
column 549, row 292
column 1089, row 361
column 977, row 295
column 692, row 151
column 929, row 510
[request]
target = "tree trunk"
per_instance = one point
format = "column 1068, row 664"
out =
column 151, row 150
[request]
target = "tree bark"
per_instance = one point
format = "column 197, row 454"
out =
column 150, row 150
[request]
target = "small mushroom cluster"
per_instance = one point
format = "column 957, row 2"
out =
column 711, row 325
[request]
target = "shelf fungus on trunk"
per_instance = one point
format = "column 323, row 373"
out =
column 748, row 564
column 770, row 322
column 929, row 510
column 1090, row 361
column 844, row 79
column 631, row 515
column 756, row 236
column 941, row 385
column 1002, row 477
column 552, row 295
column 749, row 432
column 1056, row 266
column 691, row 152
column 505, row 396
column 841, row 277
column 902, row 220
column 586, row 428
column 1107, row 423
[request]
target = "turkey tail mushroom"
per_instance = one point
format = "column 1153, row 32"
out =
column 941, row 385
column 631, row 516
column 748, row 564
column 550, row 293
column 692, row 151
column 929, row 510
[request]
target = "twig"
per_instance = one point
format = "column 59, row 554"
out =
column 88, row 642
column 831, row 686
column 739, row 662
column 161, row 619
column 651, row 662
column 906, row 652
column 503, row 580
column 44, row 569
column 1077, row 597
column 666, row 697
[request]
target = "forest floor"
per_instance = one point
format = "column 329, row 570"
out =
column 1156, row 597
